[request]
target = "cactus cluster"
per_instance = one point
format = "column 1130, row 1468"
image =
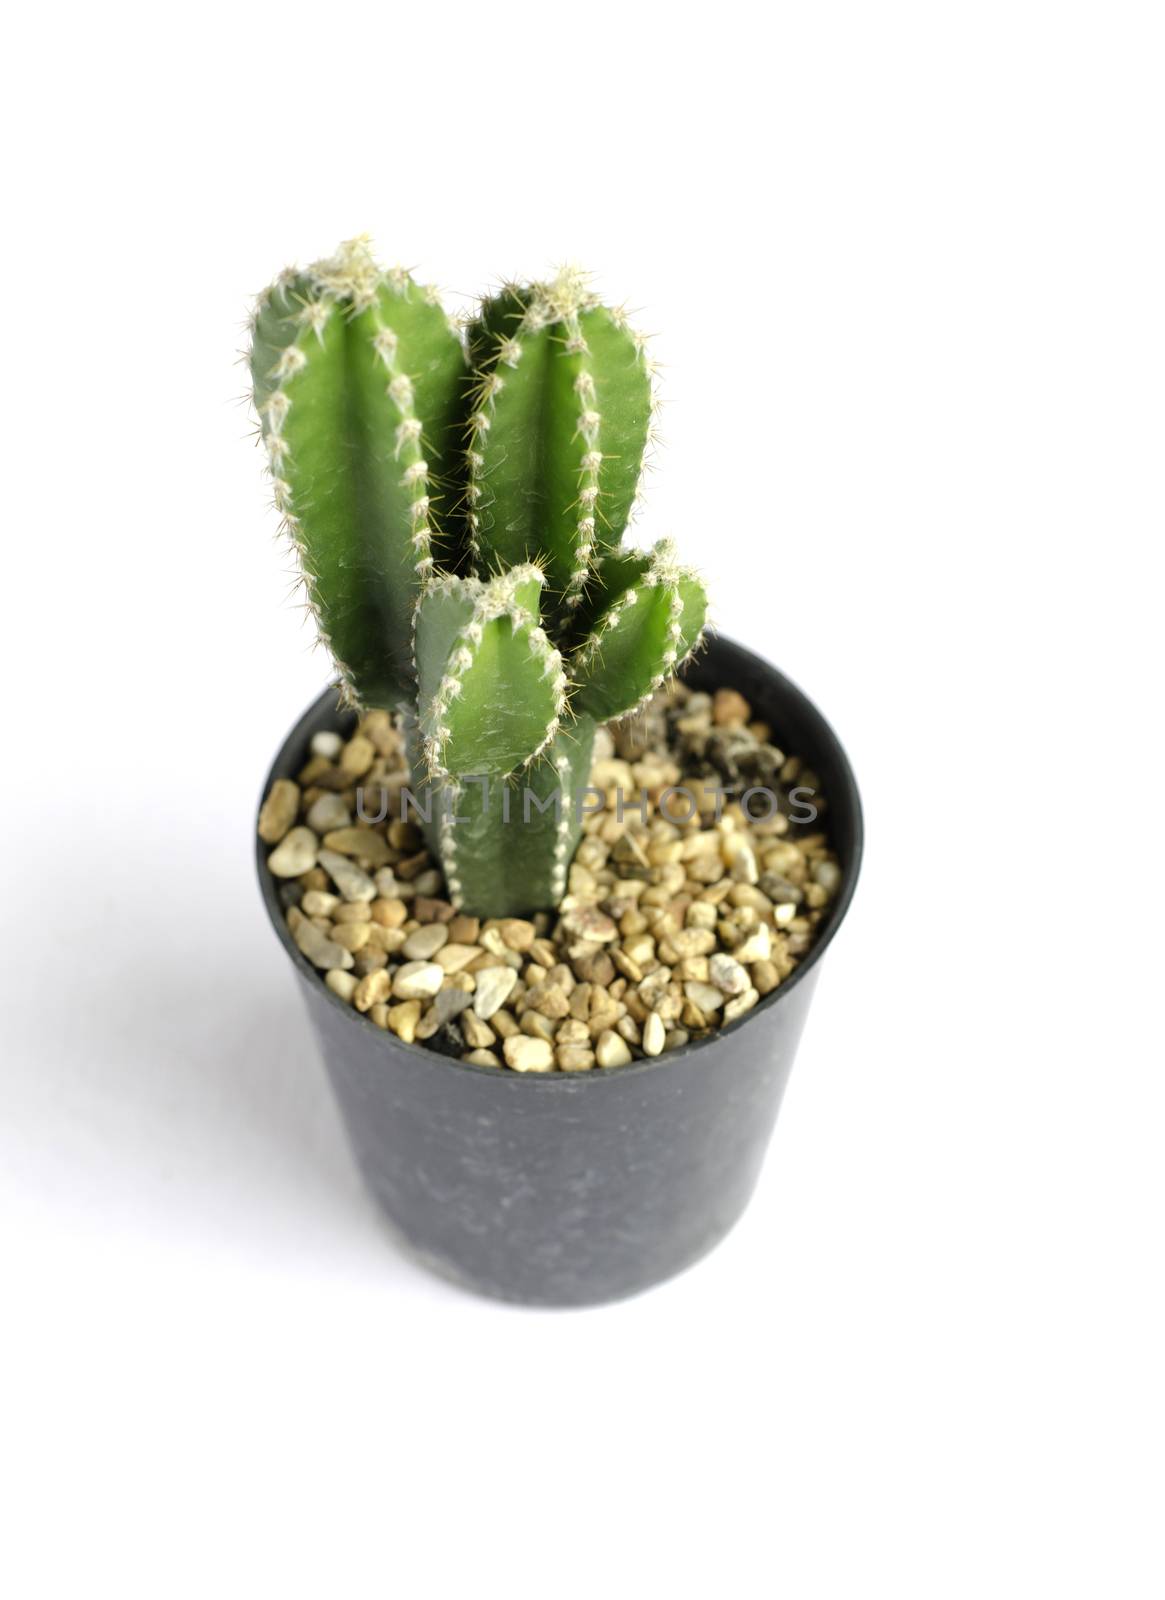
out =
column 457, row 496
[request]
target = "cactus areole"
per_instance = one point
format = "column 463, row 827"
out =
column 456, row 498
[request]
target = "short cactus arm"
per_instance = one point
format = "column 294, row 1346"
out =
column 648, row 621
column 358, row 383
column 557, row 432
column 492, row 690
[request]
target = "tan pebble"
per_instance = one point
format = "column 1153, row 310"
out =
column 318, row 903
column 326, row 812
column 494, row 987
column 590, row 924
column 730, row 709
column 517, row 933
column 627, row 1028
column 572, row 1031
column 352, row 935
column 727, row 974
column 692, row 1017
column 390, row 940
column 611, row 1051
column 828, row 876
column 321, row 951
column 360, row 843
column 369, row 959
column 295, row 854
column 403, row 835
column 549, row 1001
column 372, row 987
column 403, row 1020
column 574, row 1057
column 653, row 1035
column 464, row 930
column 701, row 915
column 279, row 810
column 757, row 946
column 477, row 1033
column 389, row 913
column 352, row 882
column 524, row 1054
column 675, row 1038
column 596, row 968
column 426, row 941
column 317, row 878
column 504, row 1024
column 491, row 939
column 742, row 1003
column 538, row 1027
column 357, row 756
column 354, row 911
column 544, row 952
column 453, row 957
column 688, row 942
column 765, row 977
column 482, row 1058
column 704, row 995
column 428, row 909
column 341, row 983
column 379, row 1014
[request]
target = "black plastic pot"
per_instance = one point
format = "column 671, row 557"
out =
column 574, row 1188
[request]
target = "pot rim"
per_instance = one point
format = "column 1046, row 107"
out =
column 851, row 869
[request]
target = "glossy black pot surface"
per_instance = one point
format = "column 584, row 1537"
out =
column 574, row 1188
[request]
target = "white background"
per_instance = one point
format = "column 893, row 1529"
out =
column 906, row 266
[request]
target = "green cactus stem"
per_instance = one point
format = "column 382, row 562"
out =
column 359, row 382
column 557, row 434
column 458, row 537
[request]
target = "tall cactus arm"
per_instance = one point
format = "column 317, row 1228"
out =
column 358, row 381
column 557, row 431
column 492, row 690
column 651, row 623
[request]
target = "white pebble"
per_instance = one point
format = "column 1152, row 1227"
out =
column 295, row 853
column 417, row 980
column 727, row 974
column 424, row 942
column 494, row 987
column 326, row 744
column 525, row 1054
column 654, row 1035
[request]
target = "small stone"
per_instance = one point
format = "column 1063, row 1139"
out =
column 424, row 943
column 352, row 935
column 779, row 889
column 589, row 923
column 743, row 1002
column 296, row 853
column 757, row 947
column 369, row 959
column 597, row 968
column 525, row 1054
column 516, row 933
column 327, row 813
column 828, row 875
column 403, row 1020
column 417, row 980
column 494, row 987
column 743, row 867
column 321, row 951
column 482, row 1058
column 784, row 914
column 453, row 957
column 326, row 744
column 464, row 930
column 348, row 878
column 279, row 811
column 389, row 913
column 341, row 983
column 704, row 996
column 549, row 1001
column 505, row 1024
column 765, row 977
column 451, row 1003
column 319, row 903
column 372, row 988
column 357, row 756
column 428, row 909
column 477, row 1033
column 727, row 974
column 574, row 1057
column 611, row 1051
column 653, row 1035
column 379, row 1014
column 730, row 709
column 360, row 842
column 539, row 1027
column 690, row 942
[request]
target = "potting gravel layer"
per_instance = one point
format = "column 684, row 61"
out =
column 671, row 925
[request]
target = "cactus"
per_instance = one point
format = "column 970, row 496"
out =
column 456, row 505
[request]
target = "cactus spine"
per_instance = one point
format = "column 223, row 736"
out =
column 457, row 510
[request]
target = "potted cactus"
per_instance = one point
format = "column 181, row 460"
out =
column 558, row 1062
